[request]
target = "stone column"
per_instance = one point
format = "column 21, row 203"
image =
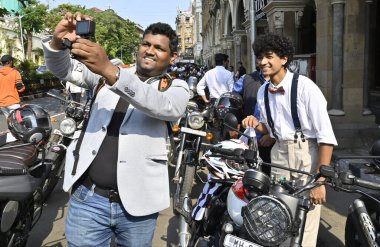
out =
column 337, row 73
column 278, row 22
column 252, row 32
column 237, row 40
column 297, row 18
column 366, row 78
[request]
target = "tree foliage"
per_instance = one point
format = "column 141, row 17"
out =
column 33, row 18
column 119, row 37
column 55, row 15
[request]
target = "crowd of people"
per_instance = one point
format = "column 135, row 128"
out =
column 110, row 175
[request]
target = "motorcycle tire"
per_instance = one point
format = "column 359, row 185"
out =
column 351, row 235
column 185, row 185
column 52, row 180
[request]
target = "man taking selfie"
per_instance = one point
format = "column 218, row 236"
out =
column 117, row 169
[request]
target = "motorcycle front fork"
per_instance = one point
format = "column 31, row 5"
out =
column 179, row 158
column 363, row 223
column 184, row 232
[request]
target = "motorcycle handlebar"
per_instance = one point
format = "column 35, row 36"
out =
column 366, row 184
column 228, row 152
column 63, row 99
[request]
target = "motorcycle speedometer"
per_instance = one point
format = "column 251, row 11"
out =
column 195, row 120
column 68, row 126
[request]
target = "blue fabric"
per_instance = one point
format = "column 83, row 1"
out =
column 238, row 88
column 92, row 220
column 257, row 115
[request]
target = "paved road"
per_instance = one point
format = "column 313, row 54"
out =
column 49, row 231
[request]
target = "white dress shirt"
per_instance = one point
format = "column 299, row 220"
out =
column 311, row 107
column 218, row 80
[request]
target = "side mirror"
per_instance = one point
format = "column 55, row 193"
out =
column 231, row 121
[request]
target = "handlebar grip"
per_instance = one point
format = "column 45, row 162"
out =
column 366, row 184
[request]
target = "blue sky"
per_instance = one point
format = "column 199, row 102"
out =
column 143, row 12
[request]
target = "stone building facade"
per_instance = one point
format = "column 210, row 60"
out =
column 185, row 32
column 335, row 44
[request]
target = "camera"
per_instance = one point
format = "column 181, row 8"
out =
column 86, row 29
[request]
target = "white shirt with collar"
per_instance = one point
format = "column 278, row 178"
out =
column 219, row 80
column 311, row 107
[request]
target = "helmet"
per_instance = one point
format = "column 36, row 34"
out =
column 229, row 103
column 375, row 151
column 29, row 123
column 221, row 168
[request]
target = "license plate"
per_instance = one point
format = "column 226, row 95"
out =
column 233, row 241
column 194, row 132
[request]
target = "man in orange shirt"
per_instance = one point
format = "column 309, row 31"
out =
column 10, row 85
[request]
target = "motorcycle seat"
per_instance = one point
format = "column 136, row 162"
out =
column 24, row 155
column 11, row 163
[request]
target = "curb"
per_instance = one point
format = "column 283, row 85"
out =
column 32, row 96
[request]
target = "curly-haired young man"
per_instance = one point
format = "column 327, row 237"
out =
column 304, row 140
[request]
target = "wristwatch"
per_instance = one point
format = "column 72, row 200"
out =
column 117, row 76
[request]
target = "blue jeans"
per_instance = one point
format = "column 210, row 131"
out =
column 92, row 220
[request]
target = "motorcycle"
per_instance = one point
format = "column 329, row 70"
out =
column 23, row 170
column 195, row 102
column 362, row 226
column 193, row 137
column 253, row 209
column 60, row 139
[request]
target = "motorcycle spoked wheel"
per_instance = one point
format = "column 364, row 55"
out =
column 351, row 235
column 20, row 231
column 184, row 186
column 52, row 180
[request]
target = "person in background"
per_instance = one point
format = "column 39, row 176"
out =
column 306, row 148
column 74, row 91
column 240, row 71
column 247, row 86
column 232, row 69
column 10, row 86
column 117, row 187
column 219, row 80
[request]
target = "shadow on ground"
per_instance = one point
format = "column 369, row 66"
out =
column 57, row 204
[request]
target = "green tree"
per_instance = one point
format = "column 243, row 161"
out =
column 55, row 15
column 119, row 37
column 33, row 20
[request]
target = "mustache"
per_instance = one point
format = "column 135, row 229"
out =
column 150, row 57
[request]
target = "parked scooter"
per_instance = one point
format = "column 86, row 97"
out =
column 23, row 170
column 60, row 139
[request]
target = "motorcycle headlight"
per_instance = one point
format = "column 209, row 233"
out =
column 195, row 120
column 68, row 126
column 267, row 220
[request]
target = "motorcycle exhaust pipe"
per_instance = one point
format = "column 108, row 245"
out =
column 363, row 223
